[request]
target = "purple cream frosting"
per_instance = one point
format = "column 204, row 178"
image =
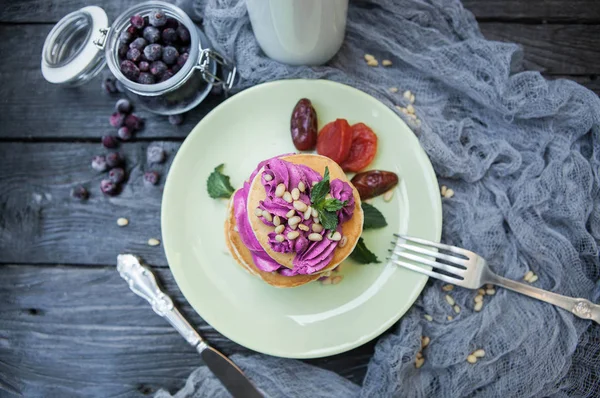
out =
column 310, row 256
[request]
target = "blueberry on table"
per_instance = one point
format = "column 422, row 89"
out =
column 133, row 54
column 123, row 106
column 109, row 84
column 109, row 141
column 146, row 78
column 153, row 52
column 166, row 76
column 117, row 119
column 137, row 21
column 183, row 33
column 134, row 122
column 176, row 119
column 157, row 18
column 116, row 175
column 130, row 70
column 99, row 163
column 151, row 34
column 170, row 55
column 124, row 133
column 114, row 159
column 109, row 188
column 169, row 35
column 151, row 178
column 157, row 68
column 144, row 66
column 155, row 154
column 80, row 193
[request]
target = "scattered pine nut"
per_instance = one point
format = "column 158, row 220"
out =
column 528, row 276
column 449, row 317
column 478, row 306
column 480, row 353
column 447, row 288
column 412, row 99
column 419, row 362
column 449, row 193
column 276, row 221
column 449, row 299
column 267, row 177
column 472, row 359
column 479, row 298
column 291, row 213
column 153, row 242
column 279, row 238
column 295, row 194
column 407, row 95
column 293, row 235
column 279, row 229
column 301, row 186
column 336, row 279
column 388, row 195
column 258, row 212
column 533, row 279
column 393, row 89
column 490, row 292
column 443, row 190
column 428, row 317
column 425, row 341
column 489, row 286
column 410, row 109
column 419, row 354
column 481, row 292
column 369, row 57
column 456, row 309
column 122, row 222
column 300, row 206
column 267, row 216
column 386, row 62
column 303, row 227
column 372, row 62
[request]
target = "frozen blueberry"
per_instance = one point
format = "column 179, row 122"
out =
column 183, row 33
column 144, row 66
column 138, row 43
column 130, row 70
column 123, row 106
column 108, row 187
column 172, row 23
column 109, row 141
column 133, row 122
column 151, row 34
column 116, row 175
column 125, row 37
column 137, row 21
column 166, row 76
column 182, row 59
column 124, row 133
column 175, row 68
column 157, row 18
column 146, row 78
column 80, row 193
column 132, row 30
column 122, row 50
column 153, row 52
column 155, row 154
column 99, row 163
column 157, row 68
column 133, row 54
column 170, row 55
column 176, row 119
column 109, row 85
column 117, row 119
column 114, row 159
column 169, row 35
column 151, row 178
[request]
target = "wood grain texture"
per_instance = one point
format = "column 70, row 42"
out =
column 71, row 331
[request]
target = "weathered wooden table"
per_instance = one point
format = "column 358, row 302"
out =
column 69, row 326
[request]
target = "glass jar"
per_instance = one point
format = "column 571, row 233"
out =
column 82, row 44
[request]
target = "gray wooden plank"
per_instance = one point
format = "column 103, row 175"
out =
column 71, row 331
column 551, row 10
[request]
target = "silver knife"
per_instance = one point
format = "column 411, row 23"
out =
column 143, row 283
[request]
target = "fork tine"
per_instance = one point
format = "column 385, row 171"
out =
column 432, row 253
column 442, row 246
column 427, row 272
column 435, row 264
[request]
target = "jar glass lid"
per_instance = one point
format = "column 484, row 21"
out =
column 73, row 50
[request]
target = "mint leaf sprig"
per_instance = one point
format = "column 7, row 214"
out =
column 326, row 207
column 218, row 185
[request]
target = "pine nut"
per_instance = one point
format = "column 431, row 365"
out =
column 449, row 317
column 372, row 62
column 235, row 228
column 267, row 216
column 478, row 306
column 279, row 238
column 412, row 99
column 447, row 288
column 533, row 279
column 419, row 355
column 294, row 226
column 326, row 281
column 280, row 190
column 478, row 353
column 428, row 317
column 393, row 89
column 528, row 276
column 369, row 57
column 479, row 298
column 276, row 221
column 315, row 237
column 316, row 220
column 288, row 197
column 300, row 205
column 279, row 229
column 410, row 109
column 386, row 62
column 307, row 213
column 268, row 177
column 122, row 222
column 406, row 94
column 489, row 286
column 456, row 309
column 314, row 183
column 368, row 201
column 419, row 362
column 424, row 341
column 301, row 186
column 471, row 359
column 294, row 220
column 293, row 235
column 303, row 227
column 328, row 196
column 336, row 236
column 258, row 212
column 481, row 292
column 490, row 292
column 343, row 241
column 388, row 195
column 153, row 242
column 443, row 190
column 449, row 193
column 295, row 194
column 449, row 299
column 314, row 212
column 336, row 279
column 291, row 213
column 317, row 228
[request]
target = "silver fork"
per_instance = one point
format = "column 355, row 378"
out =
column 470, row 270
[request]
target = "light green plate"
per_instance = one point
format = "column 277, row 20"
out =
column 313, row 320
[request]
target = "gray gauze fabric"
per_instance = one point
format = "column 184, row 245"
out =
column 522, row 155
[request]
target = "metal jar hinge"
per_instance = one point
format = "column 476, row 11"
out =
column 229, row 70
column 100, row 42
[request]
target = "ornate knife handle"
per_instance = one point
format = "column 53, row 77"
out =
column 143, row 283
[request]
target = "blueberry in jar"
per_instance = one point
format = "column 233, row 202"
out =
column 138, row 43
column 151, row 34
column 157, row 18
column 153, row 52
column 157, row 68
column 133, row 54
column 170, row 55
column 130, row 70
column 146, row 78
column 166, row 76
column 125, row 37
column 183, row 33
column 172, row 23
column 122, row 50
column 182, row 59
column 144, row 66
column 137, row 21
column 169, row 35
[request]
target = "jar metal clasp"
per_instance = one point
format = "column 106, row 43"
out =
column 229, row 70
column 100, row 42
